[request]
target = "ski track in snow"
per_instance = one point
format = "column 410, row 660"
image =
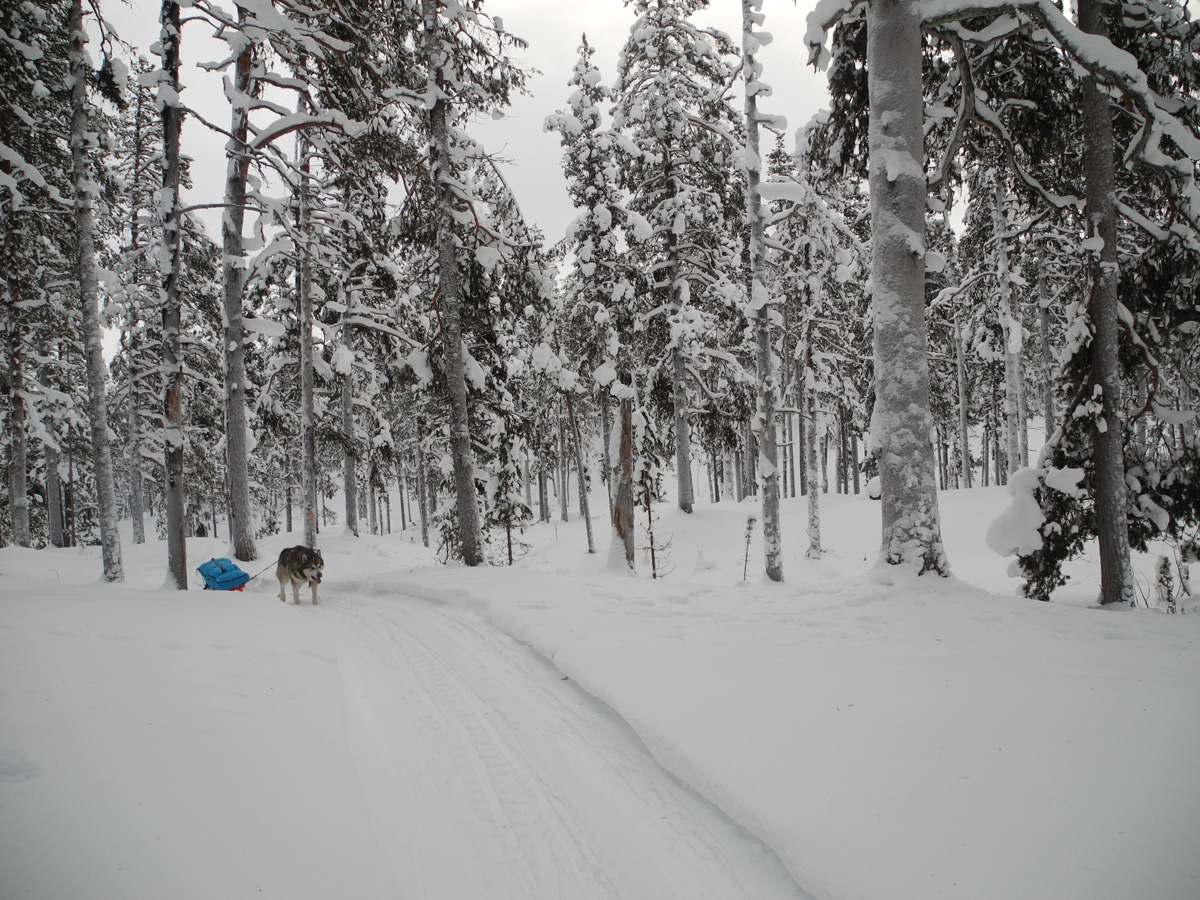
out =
column 489, row 776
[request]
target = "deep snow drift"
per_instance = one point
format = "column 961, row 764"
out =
column 556, row 730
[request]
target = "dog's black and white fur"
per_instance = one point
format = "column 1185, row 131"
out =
column 297, row 566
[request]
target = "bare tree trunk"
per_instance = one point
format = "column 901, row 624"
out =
column 233, row 273
column 964, row 435
column 583, row 487
column 768, row 389
column 450, row 293
column 791, row 437
column 137, row 488
column 97, row 371
column 1048, row 415
column 422, row 484
column 349, row 460
column 911, row 528
column 1011, row 330
column 372, row 498
column 308, row 424
column 288, row 502
column 621, row 484
column 1022, row 418
column 811, row 465
column 605, row 433
column 854, row 463
column 402, row 480
column 1099, row 175
column 18, row 439
column 172, row 118
column 563, row 474
column 54, row 507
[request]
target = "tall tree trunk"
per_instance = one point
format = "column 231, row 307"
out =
column 233, row 272
column 402, row 481
column 563, row 471
column 137, row 487
column 450, row 293
column 810, row 462
column 172, row 118
column 97, row 371
column 854, row 468
column 768, row 389
column 1011, row 330
column 964, row 435
column 911, row 528
column 606, row 449
column 18, row 437
column 54, row 498
column 1099, row 175
column 621, row 485
column 349, row 459
column 372, row 498
column 422, row 484
column 308, row 415
column 686, row 495
column 584, row 512
column 1048, row 415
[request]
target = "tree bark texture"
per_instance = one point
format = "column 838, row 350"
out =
column 308, row 415
column 584, row 512
column 54, row 498
column 422, row 484
column 173, row 438
column 810, row 463
column 18, row 440
column 97, row 371
column 1010, row 328
column 349, row 462
column 233, row 273
column 911, row 529
column 621, row 484
column 1099, row 175
column 768, row 389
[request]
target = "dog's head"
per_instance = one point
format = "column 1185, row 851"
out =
column 313, row 566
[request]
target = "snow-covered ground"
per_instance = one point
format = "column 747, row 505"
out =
column 557, row 731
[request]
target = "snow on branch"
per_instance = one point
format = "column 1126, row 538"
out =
column 1096, row 54
column 1109, row 65
column 299, row 121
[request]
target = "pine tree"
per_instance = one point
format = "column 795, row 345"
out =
column 600, row 316
column 462, row 76
column 670, row 101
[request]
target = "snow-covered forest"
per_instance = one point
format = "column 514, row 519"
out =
column 993, row 224
column 977, row 268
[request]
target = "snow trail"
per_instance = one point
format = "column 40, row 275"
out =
column 488, row 775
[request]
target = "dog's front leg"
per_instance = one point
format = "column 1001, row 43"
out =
column 313, row 584
column 295, row 594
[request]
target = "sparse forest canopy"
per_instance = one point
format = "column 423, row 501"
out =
column 992, row 235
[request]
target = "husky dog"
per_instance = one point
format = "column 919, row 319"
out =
column 299, row 565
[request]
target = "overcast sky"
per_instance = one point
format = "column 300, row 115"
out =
column 553, row 29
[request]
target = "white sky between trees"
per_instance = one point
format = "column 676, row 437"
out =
column 533, row 158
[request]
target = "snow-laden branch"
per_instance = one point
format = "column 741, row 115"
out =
column 1096, row 54
column 1108, row 65
column 290, row 124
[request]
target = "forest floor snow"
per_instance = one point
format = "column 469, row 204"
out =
column 560, row 730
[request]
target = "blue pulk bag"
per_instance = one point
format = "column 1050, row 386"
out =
column 222, row 575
